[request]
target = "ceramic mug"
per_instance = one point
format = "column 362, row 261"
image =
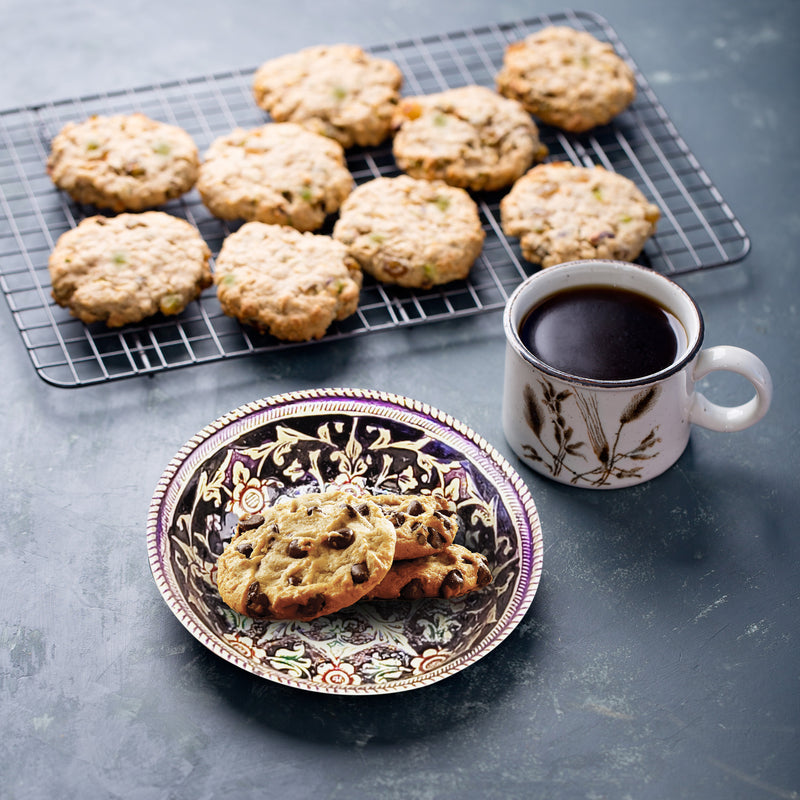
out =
column 607, row 434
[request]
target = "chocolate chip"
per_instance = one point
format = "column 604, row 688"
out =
column 294, row 580
column 250, row 522
column 451, row 584
column 341, row 539
column 363, row 509
column 312, row 510
column 416, row 508
column 484, row 575
column 398, row 518
column 359, row 572
column 297, row 549
column 257, row 603
column 413, row 590
column 447, row 523
column 421, row 538
column 351, row 512
column 435, row 539
column 312, row 607
column 245, row 548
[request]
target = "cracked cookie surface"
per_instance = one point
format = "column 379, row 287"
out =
column 121, row 269
column 561, row 212
column 278, row 173
column 470, row 137
column 424, row 524
column 124, row 162
column 306, row 556
column 567, row 78
column 292, row 285
column 453, row 572
column 339, row 91
column 411, row 232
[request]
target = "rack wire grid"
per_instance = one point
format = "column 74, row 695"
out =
column 697, row 229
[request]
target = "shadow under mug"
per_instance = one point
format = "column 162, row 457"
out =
column 608, row 434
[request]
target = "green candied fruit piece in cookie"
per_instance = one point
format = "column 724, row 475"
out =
column 171, row 304
column 305, row 194
column 585, row 61
column 378, row 238
column 339, row 92
column 92, row 144
column 430, row 272
column 227, row 280
column 625, row 218
column 162, row 148
column 440, row 119
column 119, row 258
column 597, row 193
column 442, row 202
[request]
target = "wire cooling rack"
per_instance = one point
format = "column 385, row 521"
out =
column 697, row 229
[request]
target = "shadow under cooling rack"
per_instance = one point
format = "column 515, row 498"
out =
column 697, row 229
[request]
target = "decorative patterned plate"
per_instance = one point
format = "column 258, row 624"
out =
column 307, row 441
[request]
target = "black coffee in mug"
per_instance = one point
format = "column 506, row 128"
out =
column 639, row 336
column 603, row 333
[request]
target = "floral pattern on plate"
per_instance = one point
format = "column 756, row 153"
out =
column 366, row 441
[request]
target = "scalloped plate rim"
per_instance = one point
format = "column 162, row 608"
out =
column 373, row 400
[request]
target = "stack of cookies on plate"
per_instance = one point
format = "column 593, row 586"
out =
column 285, row 179
column 317, row 553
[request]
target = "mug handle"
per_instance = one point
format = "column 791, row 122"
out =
column 731, row 418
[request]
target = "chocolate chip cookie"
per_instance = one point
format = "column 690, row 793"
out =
column 125, row 162
column 278, row 173
column 338, row 91
column 470, row 137
column 122, row 269
column 567, row 78
column 306, row 556
column 562, row 212
column 424, row 524
column 453, row 572
column 411, row 232
column 289, row 284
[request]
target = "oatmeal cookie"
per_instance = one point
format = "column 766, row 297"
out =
column 278, row 173
column 411, row 232
column 125, row 268
column 561, row 212
column 453, row 572
column 306, row 556
column 126, row 162
column 470, row 137
column 286, row 283
column 424, row 524
column 567, row 78
column 338, row 91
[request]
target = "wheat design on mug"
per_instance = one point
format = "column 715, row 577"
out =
column 566, row 454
